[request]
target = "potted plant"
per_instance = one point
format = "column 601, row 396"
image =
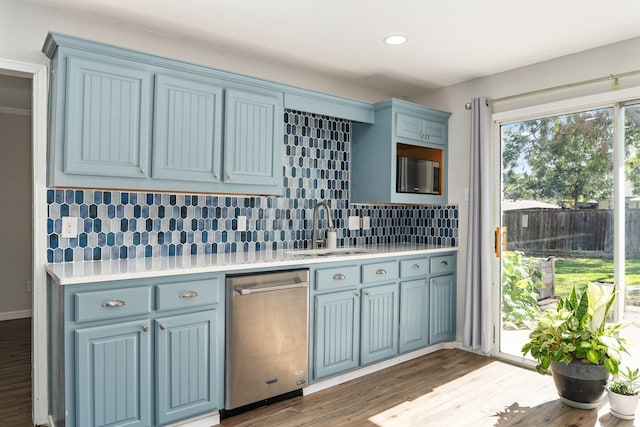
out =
column 624, row 392
column 575, row 340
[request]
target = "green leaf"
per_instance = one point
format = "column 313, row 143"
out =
column 593, row 356
column 582, row 307
column 611, row 366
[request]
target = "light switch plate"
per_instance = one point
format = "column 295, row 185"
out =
column 354, row 223
column 366, row 223
column 69, row 227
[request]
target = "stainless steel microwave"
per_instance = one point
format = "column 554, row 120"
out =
column 417, row 176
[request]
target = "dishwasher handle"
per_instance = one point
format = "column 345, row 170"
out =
column 249, row 291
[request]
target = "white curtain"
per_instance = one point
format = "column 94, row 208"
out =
column 478, row 328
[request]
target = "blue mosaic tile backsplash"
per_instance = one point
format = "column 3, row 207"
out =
column 121, row 224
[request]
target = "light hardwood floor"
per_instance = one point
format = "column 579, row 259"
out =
column 15, row 373
column 447, row 388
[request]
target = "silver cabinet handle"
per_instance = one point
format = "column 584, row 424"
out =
column 339, row 277
column 145, row 328
column 381, row 271
column 142, row 171
column 163, row 326
column 113, row 303
column 367, row 294
column 445, row 263
column 216, row 176
column 228, row 177
column 415, row 267
column 188, row 294
column 250, row 291
column 357, row 294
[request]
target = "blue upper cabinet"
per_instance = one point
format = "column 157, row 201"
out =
column 419, row 130
column 127, row 120
column 402, row 157
column 187, row 129
column 107, row 129
column 253, row 138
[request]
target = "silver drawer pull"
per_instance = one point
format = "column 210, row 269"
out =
column 163, row 326
column 145, row 328
column 339, row 277
column 357, row 294
column 445, row 263
column 381, row 271
column 113, row 303
column 415, row 267
column 188, row 294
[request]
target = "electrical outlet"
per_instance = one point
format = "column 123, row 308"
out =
column 69, row 227
column 366, row 223
column 354, row 223
column 242, row 223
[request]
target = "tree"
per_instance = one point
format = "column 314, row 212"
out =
column 632, row 147
column 562, row 158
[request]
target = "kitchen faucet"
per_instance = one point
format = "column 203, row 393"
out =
column 314, row 237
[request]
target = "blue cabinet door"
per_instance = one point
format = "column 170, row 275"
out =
column 107, row 125
column 417, row 129
column 337, row 333
column 442, row 309
column 189, row 353
column 414, row 315
column 253, row 138
column 379, row 323
column 187, row 129
column 113, row 375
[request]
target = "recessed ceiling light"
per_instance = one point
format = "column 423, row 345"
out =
column 395, row 39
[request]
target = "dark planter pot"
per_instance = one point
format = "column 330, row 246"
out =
column 580, row 385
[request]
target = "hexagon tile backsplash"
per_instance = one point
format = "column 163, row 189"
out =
column 121, row 224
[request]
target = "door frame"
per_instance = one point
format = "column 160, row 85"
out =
column 609, row 99
column 39, row 101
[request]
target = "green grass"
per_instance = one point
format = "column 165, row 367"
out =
column 582, row 271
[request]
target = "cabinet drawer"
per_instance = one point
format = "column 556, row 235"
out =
column 337, row 277
column 380, row 271
column 443, row 264
column 109, row 304
column 414, row 267
column 172, row 296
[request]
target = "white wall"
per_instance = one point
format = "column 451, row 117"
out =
column 24, row 26
column 613, row 59
column 15, row 215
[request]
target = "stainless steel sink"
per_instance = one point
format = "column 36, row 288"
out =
column 329, row 252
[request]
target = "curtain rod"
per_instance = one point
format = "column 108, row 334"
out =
column 611, row 77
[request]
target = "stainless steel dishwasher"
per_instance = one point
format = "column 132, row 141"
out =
column 267, row 335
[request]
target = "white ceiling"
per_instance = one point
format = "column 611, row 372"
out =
column 449, row 41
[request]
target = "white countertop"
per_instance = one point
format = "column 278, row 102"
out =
column 74, row 273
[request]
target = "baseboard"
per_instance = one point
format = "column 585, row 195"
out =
column 207, row 420
column 334, row 381
column 20, row 314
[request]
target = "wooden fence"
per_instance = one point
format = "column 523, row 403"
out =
column 568, row 232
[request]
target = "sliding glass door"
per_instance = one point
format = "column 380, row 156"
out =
column 557, row 215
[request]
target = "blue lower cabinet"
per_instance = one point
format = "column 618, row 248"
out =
column 414, row 315
column 379, row 327
column 442, row 308
column 337, row 333
column 136, row 352
column 113, row 375
column 188, row 364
